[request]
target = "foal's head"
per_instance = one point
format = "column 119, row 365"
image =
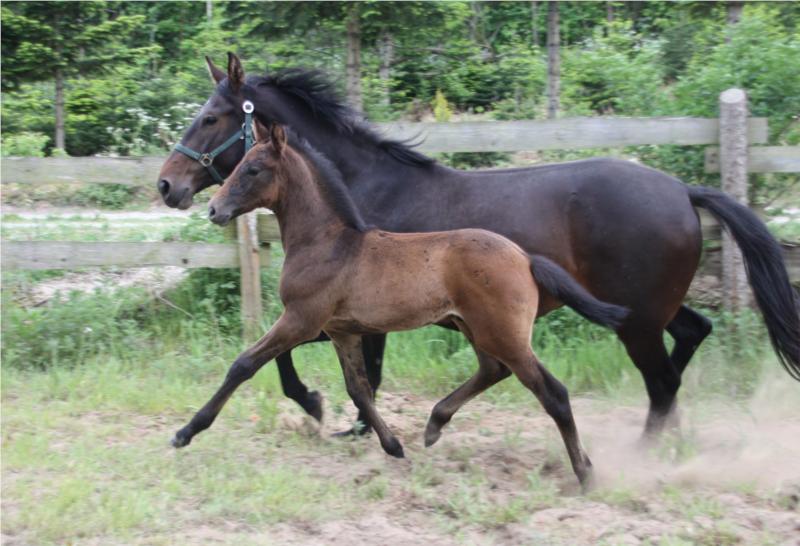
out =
column 257, row 180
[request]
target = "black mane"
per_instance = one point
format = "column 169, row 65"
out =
column 330, row 183
column 319, row 94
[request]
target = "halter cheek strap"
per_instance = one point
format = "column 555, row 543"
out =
column 207, row 159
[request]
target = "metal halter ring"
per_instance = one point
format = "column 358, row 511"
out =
column 206, row 160
column 248, row 107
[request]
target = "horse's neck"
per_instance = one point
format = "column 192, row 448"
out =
column 356, row 157
column 304, row 217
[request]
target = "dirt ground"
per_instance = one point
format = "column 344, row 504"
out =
column 737, row 481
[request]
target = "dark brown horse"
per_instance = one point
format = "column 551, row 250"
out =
column 347, row 279
column 629, row 234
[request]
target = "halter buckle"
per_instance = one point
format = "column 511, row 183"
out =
column 248, row 107
column 206, row 160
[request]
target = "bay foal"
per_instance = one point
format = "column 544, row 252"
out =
column 346, row 279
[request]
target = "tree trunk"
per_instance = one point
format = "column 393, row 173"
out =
column 553, row 60
column 60, row 140
column 354, row 58
column 386, row 52
column 734, row 13
column 209, row 11
column 609, row 12
column 534, row 23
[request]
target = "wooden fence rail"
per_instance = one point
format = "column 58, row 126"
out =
column 473, row 136
column 250, row 252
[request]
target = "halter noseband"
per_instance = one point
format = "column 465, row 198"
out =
column 207, row 159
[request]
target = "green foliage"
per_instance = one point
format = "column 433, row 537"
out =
column 25, row 144
column 106, row 196
column 441, row 108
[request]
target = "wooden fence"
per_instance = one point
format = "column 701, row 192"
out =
column 256, row 232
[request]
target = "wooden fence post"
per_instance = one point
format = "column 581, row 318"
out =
column 733, row 169
column 250, row 267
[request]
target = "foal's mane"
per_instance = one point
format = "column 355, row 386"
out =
column 329, row 181
column 314, row 89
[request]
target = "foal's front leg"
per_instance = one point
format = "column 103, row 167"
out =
column 289, row 330
column 351, row 357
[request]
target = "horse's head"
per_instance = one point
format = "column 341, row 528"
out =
column 210, row 148
column 256, row 181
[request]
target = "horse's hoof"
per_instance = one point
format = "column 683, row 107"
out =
column 313, row 405
column 394, row 448
column 432, row 435
column 179, row 441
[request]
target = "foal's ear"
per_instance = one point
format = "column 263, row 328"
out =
column 235, row 72
column 217, row 75
column 260, row 131
column 278, row 137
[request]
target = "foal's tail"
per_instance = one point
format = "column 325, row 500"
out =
column 554, row 279
column 766, row 271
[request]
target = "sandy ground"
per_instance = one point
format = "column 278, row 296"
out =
column 739, row 483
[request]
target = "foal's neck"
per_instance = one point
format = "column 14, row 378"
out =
column 305, row 218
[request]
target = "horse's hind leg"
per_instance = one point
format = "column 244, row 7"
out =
column 689, row 328
column 662, row 379
column 351, row 357
column 490, row 372
column 555, row 399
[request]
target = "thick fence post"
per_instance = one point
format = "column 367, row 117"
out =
column 733, row 169
column 250, row 267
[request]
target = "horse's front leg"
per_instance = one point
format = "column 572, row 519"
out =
column 288, row 331
column 293, row 387
column 351, row 357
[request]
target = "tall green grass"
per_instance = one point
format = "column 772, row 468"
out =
column 197, row 325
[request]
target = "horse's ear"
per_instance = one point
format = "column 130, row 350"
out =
column 235, row 72
column 217, row 75
column 278, row 137
column 260, row 131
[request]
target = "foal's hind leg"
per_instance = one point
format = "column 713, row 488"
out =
column 689, row 328
column 351, row 357
column 555, row 400
column 490, row 372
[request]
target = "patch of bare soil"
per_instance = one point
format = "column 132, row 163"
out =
column 155, row 280
column 729, row 477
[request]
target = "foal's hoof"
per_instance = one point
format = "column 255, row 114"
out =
column 179, row 441
column 394, row 448
column 313, row 405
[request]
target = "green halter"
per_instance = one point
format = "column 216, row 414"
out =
column 207, row 159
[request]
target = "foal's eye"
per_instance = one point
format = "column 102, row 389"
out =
column 209, row 120
column 252, row 171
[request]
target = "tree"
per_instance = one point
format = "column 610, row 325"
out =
column 51, row 41
column 553, row 60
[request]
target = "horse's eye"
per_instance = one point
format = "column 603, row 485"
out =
column 252, row 171
column 209, row 120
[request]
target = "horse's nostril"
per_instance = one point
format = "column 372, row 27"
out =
column 163, row 187
column 211, row 212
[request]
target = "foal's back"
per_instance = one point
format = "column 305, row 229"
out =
column 400, row 281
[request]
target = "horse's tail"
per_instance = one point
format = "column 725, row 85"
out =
column 554, row 279
column 766, row 271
